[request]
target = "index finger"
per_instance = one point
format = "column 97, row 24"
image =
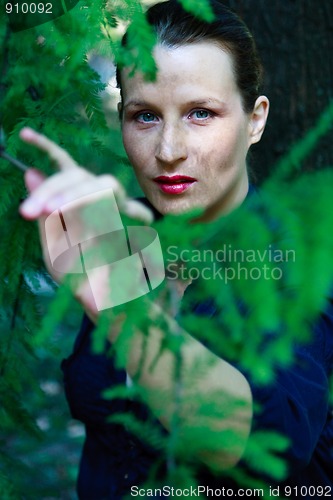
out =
column 57, row 154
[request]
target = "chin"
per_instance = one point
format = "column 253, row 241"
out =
column 174, row 207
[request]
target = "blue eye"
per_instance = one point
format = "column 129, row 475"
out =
column 146, row 117
column 202, row 114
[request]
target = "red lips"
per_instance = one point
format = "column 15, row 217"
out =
column 165, row 179
column 174, row 184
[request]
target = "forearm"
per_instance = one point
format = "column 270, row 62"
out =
column 209, row 394
column 194, row 388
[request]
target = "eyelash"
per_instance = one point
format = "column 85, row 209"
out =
column 210, row 114
column 137, row 116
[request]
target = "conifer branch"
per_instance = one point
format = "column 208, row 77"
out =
column 10, row 338
column 4, row 67
column 178, row 388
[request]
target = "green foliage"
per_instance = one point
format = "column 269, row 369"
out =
column 137, row 55
column 281, row 224
column 48, row 84
column 262, row 452
column 7, row 488
column 201, row 8
column 148, row 433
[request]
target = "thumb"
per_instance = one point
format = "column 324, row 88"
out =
column 33, row 178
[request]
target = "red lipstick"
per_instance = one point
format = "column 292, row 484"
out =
column 174, row 184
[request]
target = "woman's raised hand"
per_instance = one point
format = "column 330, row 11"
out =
column 70, row 183
column 70, row 191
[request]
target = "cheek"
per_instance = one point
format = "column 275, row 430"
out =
column 134, row 148
column 233, row 148
column 222, row 160
column 126, row 136
column 217, row 159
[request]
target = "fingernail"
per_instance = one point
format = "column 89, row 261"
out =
column 27, row 133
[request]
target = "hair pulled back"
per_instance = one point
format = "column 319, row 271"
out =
column 175, row 27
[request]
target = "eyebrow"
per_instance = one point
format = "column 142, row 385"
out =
column 196, row 102
column 135, row 104
column 204, row 102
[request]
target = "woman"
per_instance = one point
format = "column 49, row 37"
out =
column 187, row 135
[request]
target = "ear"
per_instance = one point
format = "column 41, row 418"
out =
column 258, row 119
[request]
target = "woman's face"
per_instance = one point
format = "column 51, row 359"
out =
column 186, row 134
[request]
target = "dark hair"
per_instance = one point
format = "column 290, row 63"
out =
column 175, row 27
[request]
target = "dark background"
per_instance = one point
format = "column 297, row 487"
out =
column 295, row 42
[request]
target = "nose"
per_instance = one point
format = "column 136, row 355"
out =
column 172, row 146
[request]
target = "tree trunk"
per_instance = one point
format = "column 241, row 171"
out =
column 295, row 42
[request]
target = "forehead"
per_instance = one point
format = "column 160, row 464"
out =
column 199, row 68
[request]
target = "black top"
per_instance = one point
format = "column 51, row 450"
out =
column 296, row 405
